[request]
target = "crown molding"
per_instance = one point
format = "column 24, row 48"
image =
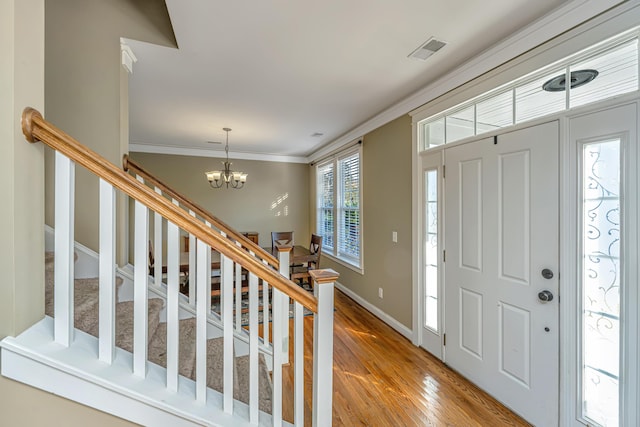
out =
column 203, row 152
column 128, row 58
column 562, row 19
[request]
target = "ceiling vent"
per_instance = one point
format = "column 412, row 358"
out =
column 427, row 49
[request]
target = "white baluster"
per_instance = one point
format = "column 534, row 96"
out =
column 226, row 303
column 276, row 410
column 140, row 297
column 265, row 309
column 173, row 310
column 283, row 346
column 323, row 347
column 192, row 265
column 203, row 304
column 107, row 279
column 298, row 365
column 253, row 349
column 63, row 262
column 238, row 296
column 157, row 248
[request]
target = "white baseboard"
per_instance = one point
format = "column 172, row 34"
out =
column 399, row 327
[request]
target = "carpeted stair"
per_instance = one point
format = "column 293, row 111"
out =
column 86, row 319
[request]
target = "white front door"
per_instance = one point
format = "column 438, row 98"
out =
column 501, row 268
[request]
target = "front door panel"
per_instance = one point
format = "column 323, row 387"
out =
column 501, row 232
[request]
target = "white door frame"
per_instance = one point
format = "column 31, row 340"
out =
column 568, row 392
column 570, row 315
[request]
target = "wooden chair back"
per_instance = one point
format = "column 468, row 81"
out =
column 281, row 238
column 315, row 247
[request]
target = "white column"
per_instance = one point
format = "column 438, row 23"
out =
column 323, row 347
column 63, row 263
column 107, row 300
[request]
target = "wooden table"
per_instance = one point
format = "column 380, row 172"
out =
column 184, row 260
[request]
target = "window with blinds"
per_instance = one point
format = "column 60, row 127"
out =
column 339, row 219
column 325, row 226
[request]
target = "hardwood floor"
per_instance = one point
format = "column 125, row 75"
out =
column 381, row 379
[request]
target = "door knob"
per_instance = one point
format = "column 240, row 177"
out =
column 545, row 296
column 547, row 274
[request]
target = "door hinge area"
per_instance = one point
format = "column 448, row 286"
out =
column 444, row 339
column 444, row 256
column 444, row 168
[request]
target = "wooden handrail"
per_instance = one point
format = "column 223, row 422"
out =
column 35, row 128
column 128, row 164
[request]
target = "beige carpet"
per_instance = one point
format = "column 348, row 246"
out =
column 86, row 319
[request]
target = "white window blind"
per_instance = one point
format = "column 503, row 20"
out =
column 349, row 207
column 325, row 219
column 338, row 215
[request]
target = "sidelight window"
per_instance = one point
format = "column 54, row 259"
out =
column 431, row 251
column 601, row 282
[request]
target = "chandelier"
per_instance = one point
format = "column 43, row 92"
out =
column 219, row 178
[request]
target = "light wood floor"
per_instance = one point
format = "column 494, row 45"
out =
column 381, row 379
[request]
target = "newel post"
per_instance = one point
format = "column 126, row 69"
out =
column 323, row 347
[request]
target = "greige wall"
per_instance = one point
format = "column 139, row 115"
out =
column 83, row 85
column 275, row 197
column 21, row 167
column 386, row 182
column 22, row 178
column 21, row 405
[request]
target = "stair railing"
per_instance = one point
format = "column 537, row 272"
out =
column 209, row 219
column 69, row 152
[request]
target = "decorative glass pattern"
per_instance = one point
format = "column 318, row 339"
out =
column 601, row 282
column 431, row 251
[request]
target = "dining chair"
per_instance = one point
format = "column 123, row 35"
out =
column 301, row 273
column 281, row 238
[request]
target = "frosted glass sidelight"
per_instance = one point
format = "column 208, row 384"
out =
column 601, row 282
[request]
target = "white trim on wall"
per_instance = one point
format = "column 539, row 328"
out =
column 137, row 147
column 561, row 20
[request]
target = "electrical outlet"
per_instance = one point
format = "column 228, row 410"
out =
column 380, row 293
column 394, row 236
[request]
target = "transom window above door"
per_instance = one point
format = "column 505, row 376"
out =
column 599, row 72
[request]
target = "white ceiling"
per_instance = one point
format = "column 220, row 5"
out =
column 278, row 71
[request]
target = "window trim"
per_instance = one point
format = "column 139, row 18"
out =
column 332, row 252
